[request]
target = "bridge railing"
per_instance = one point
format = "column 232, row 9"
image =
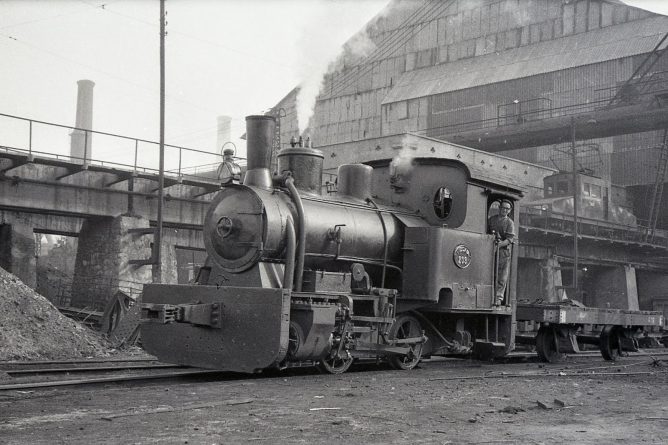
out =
column 49, row 140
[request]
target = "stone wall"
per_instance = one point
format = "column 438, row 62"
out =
column 103, row 260
column 17, row 252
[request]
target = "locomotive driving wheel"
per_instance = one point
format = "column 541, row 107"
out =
column 406, row 326
column 335, row 364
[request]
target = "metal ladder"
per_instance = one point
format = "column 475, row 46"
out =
column 635, row 86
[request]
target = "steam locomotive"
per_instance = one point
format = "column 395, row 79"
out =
column 396, row 266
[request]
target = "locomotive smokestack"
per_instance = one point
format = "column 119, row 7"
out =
column 259, row 140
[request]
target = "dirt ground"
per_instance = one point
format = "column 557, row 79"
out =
column 441, row 402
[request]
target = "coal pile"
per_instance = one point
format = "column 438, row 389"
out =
column 31, row 328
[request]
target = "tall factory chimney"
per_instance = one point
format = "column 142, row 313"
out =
column 224, row 131
column 80, row 143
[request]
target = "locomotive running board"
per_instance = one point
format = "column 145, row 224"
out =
column 250, row 332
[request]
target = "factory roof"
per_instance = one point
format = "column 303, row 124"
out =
column 609, row 43
column 484, row 166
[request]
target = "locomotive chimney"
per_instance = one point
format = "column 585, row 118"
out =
column 259, row 140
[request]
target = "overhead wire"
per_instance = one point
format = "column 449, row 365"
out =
column 110, row 75
column 189, row 36
column 72, row 61
column 211, row 129
column 30, row 22
column 97, row 70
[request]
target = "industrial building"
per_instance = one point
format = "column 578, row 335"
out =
column 573, row 86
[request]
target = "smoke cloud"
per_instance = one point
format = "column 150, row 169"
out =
column 403, row 162
column 323, row 50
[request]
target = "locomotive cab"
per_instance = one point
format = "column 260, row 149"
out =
column 451, row 264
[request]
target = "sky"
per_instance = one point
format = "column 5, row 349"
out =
column 224, row 57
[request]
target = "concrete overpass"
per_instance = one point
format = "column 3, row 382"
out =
column 111, row 208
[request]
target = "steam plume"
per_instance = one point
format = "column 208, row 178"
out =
column 323, row 52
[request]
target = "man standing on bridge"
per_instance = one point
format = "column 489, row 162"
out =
column 503, row 228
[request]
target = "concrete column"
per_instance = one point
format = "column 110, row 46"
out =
column 631, row 288
column 616, row 288
column 103, row 266
column 17, row 252
column 169, row 264
column 652, row 289
column 551, row 279
column 539, row 279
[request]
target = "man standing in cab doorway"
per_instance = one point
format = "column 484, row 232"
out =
column 503, row 228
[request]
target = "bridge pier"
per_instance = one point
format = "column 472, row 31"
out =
column 614, row 287
column 103, row 264
column 17, row 251
column 653, row 290
column 540, row 278
column 551, row 271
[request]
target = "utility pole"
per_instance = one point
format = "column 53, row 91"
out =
column 576, row 196
column 157, row 248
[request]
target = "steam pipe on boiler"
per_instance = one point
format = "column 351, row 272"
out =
column 301, row 230
column 385, row 240
column 288, row 275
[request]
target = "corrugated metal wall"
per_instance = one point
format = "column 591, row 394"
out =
column 415, row 35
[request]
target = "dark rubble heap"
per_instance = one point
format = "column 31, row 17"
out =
column 31, row 328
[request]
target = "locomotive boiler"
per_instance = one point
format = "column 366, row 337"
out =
column 397, row 265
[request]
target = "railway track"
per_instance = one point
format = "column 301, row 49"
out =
column 50, row 374
column 44, row 374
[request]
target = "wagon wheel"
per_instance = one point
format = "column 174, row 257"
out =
column 546, row 345
column 334, row 364
column 610, row 343
column 406, row 326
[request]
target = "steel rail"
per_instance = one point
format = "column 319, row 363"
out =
column 554, row 373
column 97, row 380
column 550, row 375
column 87, row 369
column 64, row 362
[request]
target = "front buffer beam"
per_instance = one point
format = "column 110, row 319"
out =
column 228, row 328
